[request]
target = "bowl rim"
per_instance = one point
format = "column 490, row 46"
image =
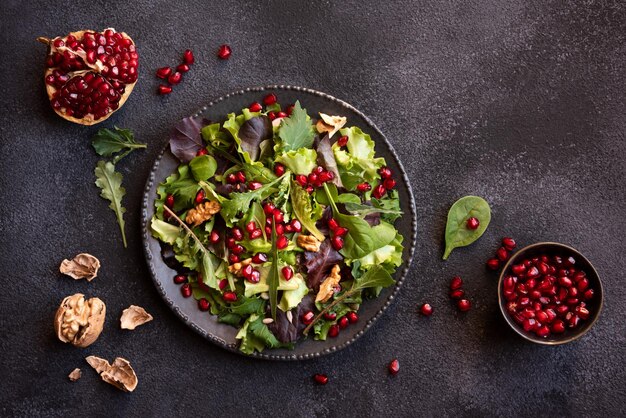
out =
column 508, row 318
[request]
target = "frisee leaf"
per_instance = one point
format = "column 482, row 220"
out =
column 457, row 232
column 110, row 183
column 296, row 131
column 107, row 142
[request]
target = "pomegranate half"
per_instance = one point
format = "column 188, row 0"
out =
column 89, row 75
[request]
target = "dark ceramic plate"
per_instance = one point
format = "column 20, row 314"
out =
column 224, row 335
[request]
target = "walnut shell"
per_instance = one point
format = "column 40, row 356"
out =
column 133, row 316
column 119, row 374
column 83, row 266
column 79, row 321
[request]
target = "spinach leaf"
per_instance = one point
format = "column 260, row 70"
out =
column 110, row 183
column 252, row 133
column 296, row 131
column 107, row 142
column 203, row 167
column 185, row 139
column 301, row 204
column 457, row 232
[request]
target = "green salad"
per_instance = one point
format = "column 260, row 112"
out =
column 278, row 222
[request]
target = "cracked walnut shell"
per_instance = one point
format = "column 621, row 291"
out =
column 119, row 374
column 79, row 321
column 133, row 316
column 327, row 288
column 308, row 242
column 202, row 212
column 83, row 266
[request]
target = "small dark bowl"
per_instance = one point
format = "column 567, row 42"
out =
column 594, row 305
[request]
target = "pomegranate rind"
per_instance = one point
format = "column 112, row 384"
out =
column 88, row 119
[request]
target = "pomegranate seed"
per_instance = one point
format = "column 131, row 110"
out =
column 255, row 185
column 271, row 115
column 456, row 283
column 508, row 243
column 457, row 294
column 565, row 281
column 259, row 258
column 333, row 224
column 163, row 90
column 340, row 231
column 573, row 321
column 541, row 317
column 255, row 107
column 342, row 141
column 281, row 115
column 169, row 201
column 214, row 237
column 379, row 191
column 389, row 183
column 238, row 249
column 246, row 272
column 464, row 305
column 199, row 197
column 588, row 294
column 543, row 331
column 282, row 242
column 582, row 312
column 224, row 52
column 337, row 243
column 222, row 284
column 241, row 176
column 426, row 309
column 180, row 279
column 163, row 72
column 343, row 322
column 278, row 215
column 302, row 180
column 250, row 226
column 204, row 305
column 188, row 57
column 502, row 254
column 287, row 272
column 532, row 273
column 558, row 327
column 174, row 78
column 582, row 284
column 394, row 367
column 493, row 264
column 231, row 179
column 279, row 169
column 182, row 68
column 270, row 99
column 229, row 297
column 364, row 187
column 280, row 229
column 236, row 233
column 529, row 324
column 233, row 258
column 255, row 276
column 296, row 225
column 333, row 331
column 202, row 151
column 268, row 208
column 473, row 223
column 307, row 317
column 325, row 176
column 518, row 269
column 186, row 290
column 385, row 172
column 289, row 110
column 352, row 317
column 330, row 316
column 320, row 379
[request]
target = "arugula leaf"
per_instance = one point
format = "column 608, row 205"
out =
column 272, row 278
column 229, row 319
column 296, row 131
column 377, row 206
column 107, row 142
column 248, row 306
column 110, row 182
column 301, row 204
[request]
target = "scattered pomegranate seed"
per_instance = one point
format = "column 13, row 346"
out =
column 241, row 176
column 296, row 225
column 289, row 110
column 320, row 379
column 287, row 272
column 502, row 254
column 394, row 367
column 281, row 115
column 302, row 180
column 169, row 201
column 236, row 233
column 174, row 78
column 493, row 264
column 509, row 243
column 385, row 172
column 188, row 57
column 259, row 258
column 279, row 169
column 426, row 309
column 389, row 183
column 270, row 99
column 224, row 52
column 202, row 151
column 163, row 90
column 233, row 258
column 214, row 237
column 457, row 294
column 186, row 290
column 364, row 187
column 473, row 223
column 180, row 279
column 333, row 224
column 456, row 283
column 255, row 107
column 333, row 331
column 229, row 297
column 238, row 249
column 204, row 305
column 182, row 68
column 254, row 185
column 379, row 191
column 340, row 231
column 163, row 72
column 342, row 141
column 464, row 305
column 271, row 115
column 278, row 215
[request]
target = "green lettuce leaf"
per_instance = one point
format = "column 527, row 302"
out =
column 302, row 209
column 164, row 231
column 262, row 286
column 292, row 298
column 302, row 161
column 357, row 163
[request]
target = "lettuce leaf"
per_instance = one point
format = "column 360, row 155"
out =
column 302, row 161
column 357, row 163
column 301, row 204
column 164, row 231
column 292, row 298
column 185, row 139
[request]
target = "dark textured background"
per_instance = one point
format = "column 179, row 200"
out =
column 519, row 102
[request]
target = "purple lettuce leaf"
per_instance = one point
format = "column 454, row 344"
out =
column 253, row 132
column 289, row 332
column 185, row 138
column 318, row 264
column 326, row 158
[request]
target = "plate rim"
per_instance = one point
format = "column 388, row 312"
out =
column 267, row 354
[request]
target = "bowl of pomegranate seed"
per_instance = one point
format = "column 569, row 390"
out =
column 549, row 293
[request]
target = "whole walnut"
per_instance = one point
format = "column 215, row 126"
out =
column 79, row 321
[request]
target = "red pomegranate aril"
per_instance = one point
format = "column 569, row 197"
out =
column 343, row 322
column 256, row 234
column 251, row 226
column 394, row 367
column 169, row 201
column 229, row 297
column 543, row 331
column 510, row 295
column 270, row 99
column 502, row 254
column 238, row 249
column 255, row 107
column 241, row 176
column 565, row 281
column 364, row 187
column 518, row 269
column 342, row 141
column 493, row 264
column 464, row 305
column 254, row 185
column 268, row 208
column 532, row 272
column 302, row 180
column 320, row 379
column 509, row 243
column 558, row 327
column 543, row 268
column 233, row 258
column 224, row 52
column 185, row 290
column 246, row 271
column 456, row 283
column 163, row 90
column 287, row 272
column 255, row 276
column 333, row 224
column 236, row 233
column 528, row 313
column 271, row 115
column 307, row 317
column 457, row 294
column 278, row 216
column 573, row 321
column 389, row 183
column 385, row 172
column 182, row 68
column 508, row 283
column 230, row 243
column 281, row 115
column 204, row 305
column 333, row 331
column 523, row 301
column 340, row 231
column 473, row 223
column 352, row 317
column 337, row 242
column 426, row 309
column 529, row 324
column 296, row 225
column 199, row 197
column 214, row 237
column 542, row 317
column 379, row 191
column 534, row 294
column 201, row 152
column 588, row 294
column 188, row 57
column 180, row 279
column 582, row 284
column 572, row 292
column 279, row 169
column 282, row 242
column 174, row 78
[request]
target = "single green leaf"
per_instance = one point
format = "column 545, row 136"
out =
column 229, row 318
column 376, row 276
column 292, row 298
column 203, row 167
column 164, row 231
column 241, row 201
column 257, row 214
column 296, row 131
column 248, row 306
column 302, row 161
column 107, row 142
column 272, row 278
column 457, row 232
column 259, row 330
column 301, row 204
column 110, row 183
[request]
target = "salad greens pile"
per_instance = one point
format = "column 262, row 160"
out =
column 282, row 224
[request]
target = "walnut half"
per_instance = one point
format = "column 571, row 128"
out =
column 79, row 321
column 202, row 212
column 327, row 288
column 308, row 242
column 119, row 374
